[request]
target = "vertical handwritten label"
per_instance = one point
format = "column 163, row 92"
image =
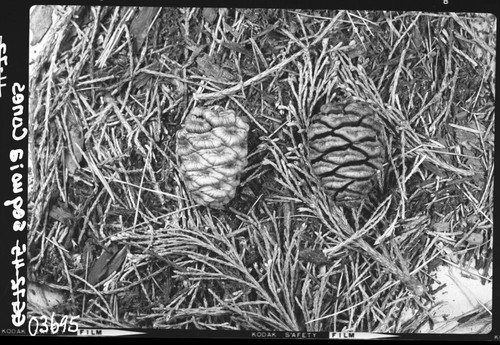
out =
column 19, row 132
column 14, row 33
column 14, row 200
column 3, row 62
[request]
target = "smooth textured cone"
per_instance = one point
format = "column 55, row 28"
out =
column 346, row 150
column 212, row 151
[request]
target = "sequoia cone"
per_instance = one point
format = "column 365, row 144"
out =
column 346, row 150
column 212, row 149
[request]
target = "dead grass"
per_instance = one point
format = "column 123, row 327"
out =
column 104, row 111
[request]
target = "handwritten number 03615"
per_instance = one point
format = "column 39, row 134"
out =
column 46, row 325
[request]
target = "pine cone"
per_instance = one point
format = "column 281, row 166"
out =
column 346, row 150
column 212, row 149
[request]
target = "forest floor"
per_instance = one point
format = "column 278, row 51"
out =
column 115, row 238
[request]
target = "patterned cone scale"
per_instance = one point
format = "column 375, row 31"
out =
column 345, row 150
column 212, row 149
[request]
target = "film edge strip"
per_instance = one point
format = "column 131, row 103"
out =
column 14, row 154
